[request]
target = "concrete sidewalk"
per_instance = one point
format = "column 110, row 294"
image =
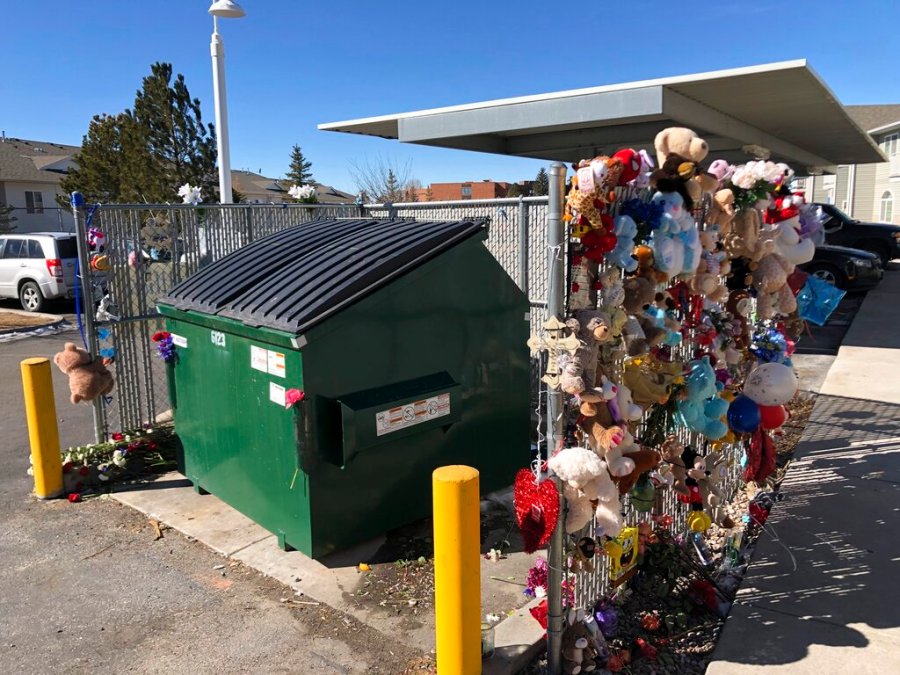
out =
column 821, row 595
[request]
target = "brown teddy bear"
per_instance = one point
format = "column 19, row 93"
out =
column 645, row 460
column 721, row 211
column 679, row 152
column 592, row 327
column 742, row 241
column 577, row 658
column 88, row 379
column 773, row 294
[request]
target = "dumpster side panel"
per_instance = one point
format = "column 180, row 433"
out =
column 240, row 442
column 430, row 370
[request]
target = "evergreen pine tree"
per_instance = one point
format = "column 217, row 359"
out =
column 180, row 148
column 541, row 183
column 145, row 154
column 100, row 171
column 6, row 219
column 300, row 171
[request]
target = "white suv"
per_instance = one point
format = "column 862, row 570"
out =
column 37, row 267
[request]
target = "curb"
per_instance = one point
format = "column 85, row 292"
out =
column 26, row 330
column 517, row 641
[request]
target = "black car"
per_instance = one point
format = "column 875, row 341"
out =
column 850, row 269
column 882, row 239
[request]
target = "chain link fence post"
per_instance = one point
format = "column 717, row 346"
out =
column 83, row 278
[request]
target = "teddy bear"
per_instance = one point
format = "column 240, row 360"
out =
column 675, row 243
column 605, row 424
column 591, row 327
column 721, row 210
column 671, row 451
column 645, row 461
column 702, row 408
column 570, row 370
column 577, row 657
column 721, row 169
column 586, row 480
column 742, row 239
column 640, row 332
column 679, row 152
column 646, row 265
column 738, row 307
column 88, row 378
column 714, row 474
column 773, row 294
column 612, row 299
column 625, row 230
column 714, row 264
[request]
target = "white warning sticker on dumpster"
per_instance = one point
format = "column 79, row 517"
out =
column 179, row 340
column 410, row 414
column 276, row 364
column 276, row 394
column 259, row 358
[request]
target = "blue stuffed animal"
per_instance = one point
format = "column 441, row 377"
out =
column 626, row 230
column 702, row 409
column 675, row 243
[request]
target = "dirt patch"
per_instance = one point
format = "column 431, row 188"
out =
column 13, row 320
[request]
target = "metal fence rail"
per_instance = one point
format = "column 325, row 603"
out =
column 153, row 247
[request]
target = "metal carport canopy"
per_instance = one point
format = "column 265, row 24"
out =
column 784, row 107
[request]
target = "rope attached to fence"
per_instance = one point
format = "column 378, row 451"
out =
column 87, row 225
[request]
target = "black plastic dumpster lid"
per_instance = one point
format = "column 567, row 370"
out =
column 293, row 279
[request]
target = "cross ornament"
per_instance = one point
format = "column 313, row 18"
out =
column 554, row 344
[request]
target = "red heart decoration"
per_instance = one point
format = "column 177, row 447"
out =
column 537, row 508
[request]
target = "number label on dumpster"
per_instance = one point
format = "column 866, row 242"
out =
column 410, row 414
column 217, row 338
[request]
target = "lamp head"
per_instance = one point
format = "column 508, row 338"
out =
column 226, row 9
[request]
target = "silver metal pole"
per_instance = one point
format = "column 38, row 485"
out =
column 555, row 307
column 217, row 51
column 87, row 295
column 523, row 246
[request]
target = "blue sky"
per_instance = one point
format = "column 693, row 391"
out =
column 293, row 64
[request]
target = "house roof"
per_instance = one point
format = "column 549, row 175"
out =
column 34, row 161
column 784, row 107
column 250, row 183
column 871, row 117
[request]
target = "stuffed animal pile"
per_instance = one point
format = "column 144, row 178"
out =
column 684, row 304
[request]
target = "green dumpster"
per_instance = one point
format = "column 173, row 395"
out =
column 407, row 341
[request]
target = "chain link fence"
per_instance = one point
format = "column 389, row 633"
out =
column 152, row 248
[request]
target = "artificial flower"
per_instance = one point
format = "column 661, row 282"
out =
column 292, row 397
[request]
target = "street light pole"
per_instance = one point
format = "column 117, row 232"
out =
column 231, row 10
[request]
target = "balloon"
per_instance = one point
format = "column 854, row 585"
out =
column 743, row 415
column 772, row 416
column 771, row 384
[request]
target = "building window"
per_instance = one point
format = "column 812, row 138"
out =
column 891, row 144
column 34, row 202
column 887, row 207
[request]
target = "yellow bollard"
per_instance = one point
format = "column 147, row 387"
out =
column 43, row 433
column 457, row 570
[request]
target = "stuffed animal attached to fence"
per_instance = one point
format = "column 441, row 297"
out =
column 88, row 378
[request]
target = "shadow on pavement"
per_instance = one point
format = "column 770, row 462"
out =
column 825, row 572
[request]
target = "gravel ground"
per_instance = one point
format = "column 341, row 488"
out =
column 89, row 588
